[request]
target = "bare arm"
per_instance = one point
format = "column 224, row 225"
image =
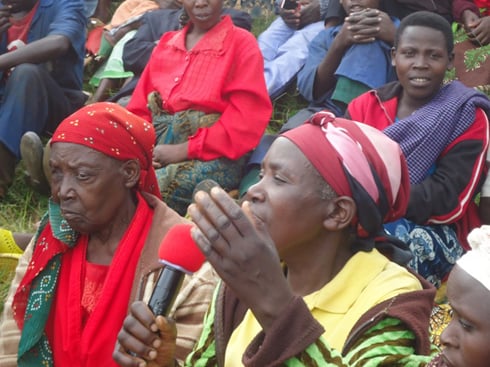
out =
column 45, row 49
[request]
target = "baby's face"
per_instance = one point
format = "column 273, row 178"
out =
column 465, row 340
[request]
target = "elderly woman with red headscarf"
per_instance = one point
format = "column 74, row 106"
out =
column 307, row 275
column 96, row 248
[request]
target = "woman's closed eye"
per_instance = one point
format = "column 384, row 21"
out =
column 465, row 324
column 279, row 179
column 83, row 176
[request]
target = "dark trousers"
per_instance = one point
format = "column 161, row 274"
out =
column 31, row 101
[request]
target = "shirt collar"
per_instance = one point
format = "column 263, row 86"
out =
column 342, row 291
column 217, row 34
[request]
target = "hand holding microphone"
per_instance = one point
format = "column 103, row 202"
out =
column 146, row 334
column 181, row 256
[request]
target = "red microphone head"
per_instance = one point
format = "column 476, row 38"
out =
column 179, row 250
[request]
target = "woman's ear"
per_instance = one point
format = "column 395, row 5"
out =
column 131, row 171
column 340, row 212
column 393, row 54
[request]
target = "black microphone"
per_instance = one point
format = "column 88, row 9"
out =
column 181, row 256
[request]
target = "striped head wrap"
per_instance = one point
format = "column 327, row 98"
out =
column 476, row 261
column 358, row 161
column 114, row 131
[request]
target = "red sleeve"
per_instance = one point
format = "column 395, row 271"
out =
column 357, row 107
column 444, row 196
column 459, row 6
column 138, row 104
column 248, row 111
column 367, row 108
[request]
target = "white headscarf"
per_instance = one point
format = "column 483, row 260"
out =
column 477, row 261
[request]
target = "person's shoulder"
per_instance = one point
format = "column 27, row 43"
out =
column 241, row 32
column 329, row 32
column 243, row 39
column 459, row 89
column 57, row 6
column 241, row 35
column 168, row 37
column 325, row 37
column 157, row 14
column 161, row 210
column 62, row 16
column 364, row 97
column 373, row 103
column 239, row 17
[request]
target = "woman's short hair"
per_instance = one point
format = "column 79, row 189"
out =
column 429, row 20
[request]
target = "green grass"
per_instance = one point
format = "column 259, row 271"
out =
column 23, row 207
column 5, row 278
column 19, row 212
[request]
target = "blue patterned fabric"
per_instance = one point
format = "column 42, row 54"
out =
column 177, row 181
column 435, row 248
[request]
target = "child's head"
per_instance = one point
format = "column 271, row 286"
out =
column 359, row 5
column 422, row 53
column 465, row 340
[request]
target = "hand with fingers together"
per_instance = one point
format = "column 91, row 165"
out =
column 242, row 252
column 369, row 25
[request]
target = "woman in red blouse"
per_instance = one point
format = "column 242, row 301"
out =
column 205, row 93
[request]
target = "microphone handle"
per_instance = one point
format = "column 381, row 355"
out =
column 167, row 286
column 166, row 289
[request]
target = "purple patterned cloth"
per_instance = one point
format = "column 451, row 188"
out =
column 429, row 130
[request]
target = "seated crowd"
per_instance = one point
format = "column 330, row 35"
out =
column 366, row 212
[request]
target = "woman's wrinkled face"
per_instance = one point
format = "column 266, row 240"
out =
column 89, row 186
column 287, row 198
column 465, row 340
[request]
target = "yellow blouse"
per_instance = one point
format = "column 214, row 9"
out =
column 367, row 279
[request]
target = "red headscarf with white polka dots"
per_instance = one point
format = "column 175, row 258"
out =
column 114, row 131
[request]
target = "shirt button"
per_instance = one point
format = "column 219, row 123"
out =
column 187, row 58
column 176, row 79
